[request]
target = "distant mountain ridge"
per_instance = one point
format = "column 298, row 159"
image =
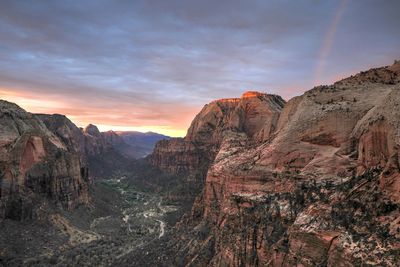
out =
column 139, row 144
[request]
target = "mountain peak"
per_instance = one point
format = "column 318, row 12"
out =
column 92, row 130
column 249, row 94
column 395, row 67
column 234, row 100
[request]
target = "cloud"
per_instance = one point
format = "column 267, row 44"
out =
column 155, row 63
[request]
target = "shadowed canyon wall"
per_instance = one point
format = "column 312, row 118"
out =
column 35, row 164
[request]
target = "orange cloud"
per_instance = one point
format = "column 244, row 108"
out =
column 167, row 118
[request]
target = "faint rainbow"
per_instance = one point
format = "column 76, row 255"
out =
column 327, row 43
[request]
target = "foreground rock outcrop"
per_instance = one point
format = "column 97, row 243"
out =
column 36, row 166
column 46, row 159
column 313, row 182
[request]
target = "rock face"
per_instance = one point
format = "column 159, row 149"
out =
column 98, row 151
column 313, row 182
column 67, row 132
column 36, row 164
column 47, row 158
column 88, row 142
column 95, row 142
column 179, row 157
column 101, row 152
column 254, row 115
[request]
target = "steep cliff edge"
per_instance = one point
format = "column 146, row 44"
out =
column 254, row 115
column 67, row 132
column 36, row 166
column 318, row 187
column 98, row 151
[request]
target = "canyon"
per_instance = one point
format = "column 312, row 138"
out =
column 257, row 181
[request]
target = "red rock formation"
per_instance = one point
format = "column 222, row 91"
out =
column 36, row 166
column 33, row 153
column 95, row 142
column 67, row 131
column 298, row 186
column 254, row 115
column 98, row 151
column 177, row 156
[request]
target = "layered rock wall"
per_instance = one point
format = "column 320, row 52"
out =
column 318, row 187
column 36, row 166
column 254, row 114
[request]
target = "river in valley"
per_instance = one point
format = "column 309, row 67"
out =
column 120, row 220
column 143, row 212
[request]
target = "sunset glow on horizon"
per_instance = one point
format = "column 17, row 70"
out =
column 152, row 65
column 116, row 121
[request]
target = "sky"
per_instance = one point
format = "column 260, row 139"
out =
column 152, row 65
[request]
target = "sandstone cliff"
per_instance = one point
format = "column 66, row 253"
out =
column 313, row 183
column 88, row 141
column 254, row 115
column 67, row 132
column 36, row 166
column 95, row 142
column 99, row 151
